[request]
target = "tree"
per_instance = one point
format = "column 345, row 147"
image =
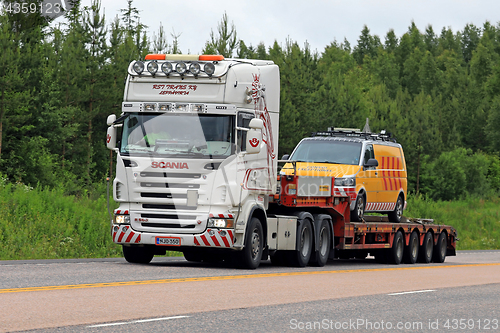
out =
column 225, row 42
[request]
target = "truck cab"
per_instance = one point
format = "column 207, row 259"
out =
column 196, row 146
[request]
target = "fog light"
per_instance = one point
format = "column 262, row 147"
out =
column 194, row 68
column 181, row 68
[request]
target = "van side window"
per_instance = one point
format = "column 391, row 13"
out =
column 369, row 153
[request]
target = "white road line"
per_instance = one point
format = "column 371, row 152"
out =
column 412, row 292
column 137, row 321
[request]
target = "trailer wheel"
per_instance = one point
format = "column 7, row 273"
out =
column 411, row 251
column 320, row 257
column 397, row 250
column 138, row 255
column 426, row 251
column 397, row 213
column 251, row 254
column 359, row 209
column 440, row 249
column 300, row 257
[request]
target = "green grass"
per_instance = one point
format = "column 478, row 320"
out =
column 477, row 220
column 46, row 224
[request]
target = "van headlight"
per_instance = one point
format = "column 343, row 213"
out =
column 346, row 181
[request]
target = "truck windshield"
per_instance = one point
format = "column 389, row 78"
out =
column 328, row 151
column 186, row 135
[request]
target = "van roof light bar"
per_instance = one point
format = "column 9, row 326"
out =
column 356, row 133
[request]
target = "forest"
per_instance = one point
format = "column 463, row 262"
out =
column 437, row 92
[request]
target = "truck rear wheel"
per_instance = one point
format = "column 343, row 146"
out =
column 320, row 257
column 251, row 254
column 300, row 257
column 440, row 249
column 397, row 250
column 138, row 254
column 426, row 251
column 411, row 251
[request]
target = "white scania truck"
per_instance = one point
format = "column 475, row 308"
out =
column 196, row 172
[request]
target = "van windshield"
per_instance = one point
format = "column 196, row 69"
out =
column 328, row 151
column 178, row 135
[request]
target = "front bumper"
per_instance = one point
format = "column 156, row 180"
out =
column 212, row 237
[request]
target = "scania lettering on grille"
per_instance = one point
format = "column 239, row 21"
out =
column 170, row 165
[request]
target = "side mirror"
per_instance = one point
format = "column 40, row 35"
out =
column 111, row 137
column 371, row 163
column 285, row 157
column 254, row 136
column 256, row 123
column 111, row 119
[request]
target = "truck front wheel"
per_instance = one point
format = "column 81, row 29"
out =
column 251, row 254
column 138, row 254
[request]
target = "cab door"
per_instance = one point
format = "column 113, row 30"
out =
column 369, row 178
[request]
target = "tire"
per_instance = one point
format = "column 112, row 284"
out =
column 439, row 254
column 320, row 257
column 251, row 254
column 193, row 255
column 427, row 249
column 138, row 255
column 397, row 250
column 397, row 213
column 300, row 257
column 411, row 251
column 359, row 209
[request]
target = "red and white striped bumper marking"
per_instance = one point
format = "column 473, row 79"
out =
column 380, row 206
column 222, row 216
column 216, row 239
column 126, row 236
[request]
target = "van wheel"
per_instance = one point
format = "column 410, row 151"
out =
column 359, row 209
column 397, row 213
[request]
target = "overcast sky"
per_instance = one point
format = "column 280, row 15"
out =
column 318, row 22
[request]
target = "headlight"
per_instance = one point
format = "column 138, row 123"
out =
column 220, row 223
column 181, row 68
column 209, row 68
column 152, row 67
column 166, row 68
column 194, row 68
column 138, row 67
column 348, row 181
column 122, row 219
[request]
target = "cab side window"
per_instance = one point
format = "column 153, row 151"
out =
column 369, row 153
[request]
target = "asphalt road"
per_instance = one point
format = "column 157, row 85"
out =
column 172, row 295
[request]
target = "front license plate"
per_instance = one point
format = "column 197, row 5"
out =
column 168, row 241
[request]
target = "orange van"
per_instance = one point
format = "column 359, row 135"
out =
column 369, row 168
